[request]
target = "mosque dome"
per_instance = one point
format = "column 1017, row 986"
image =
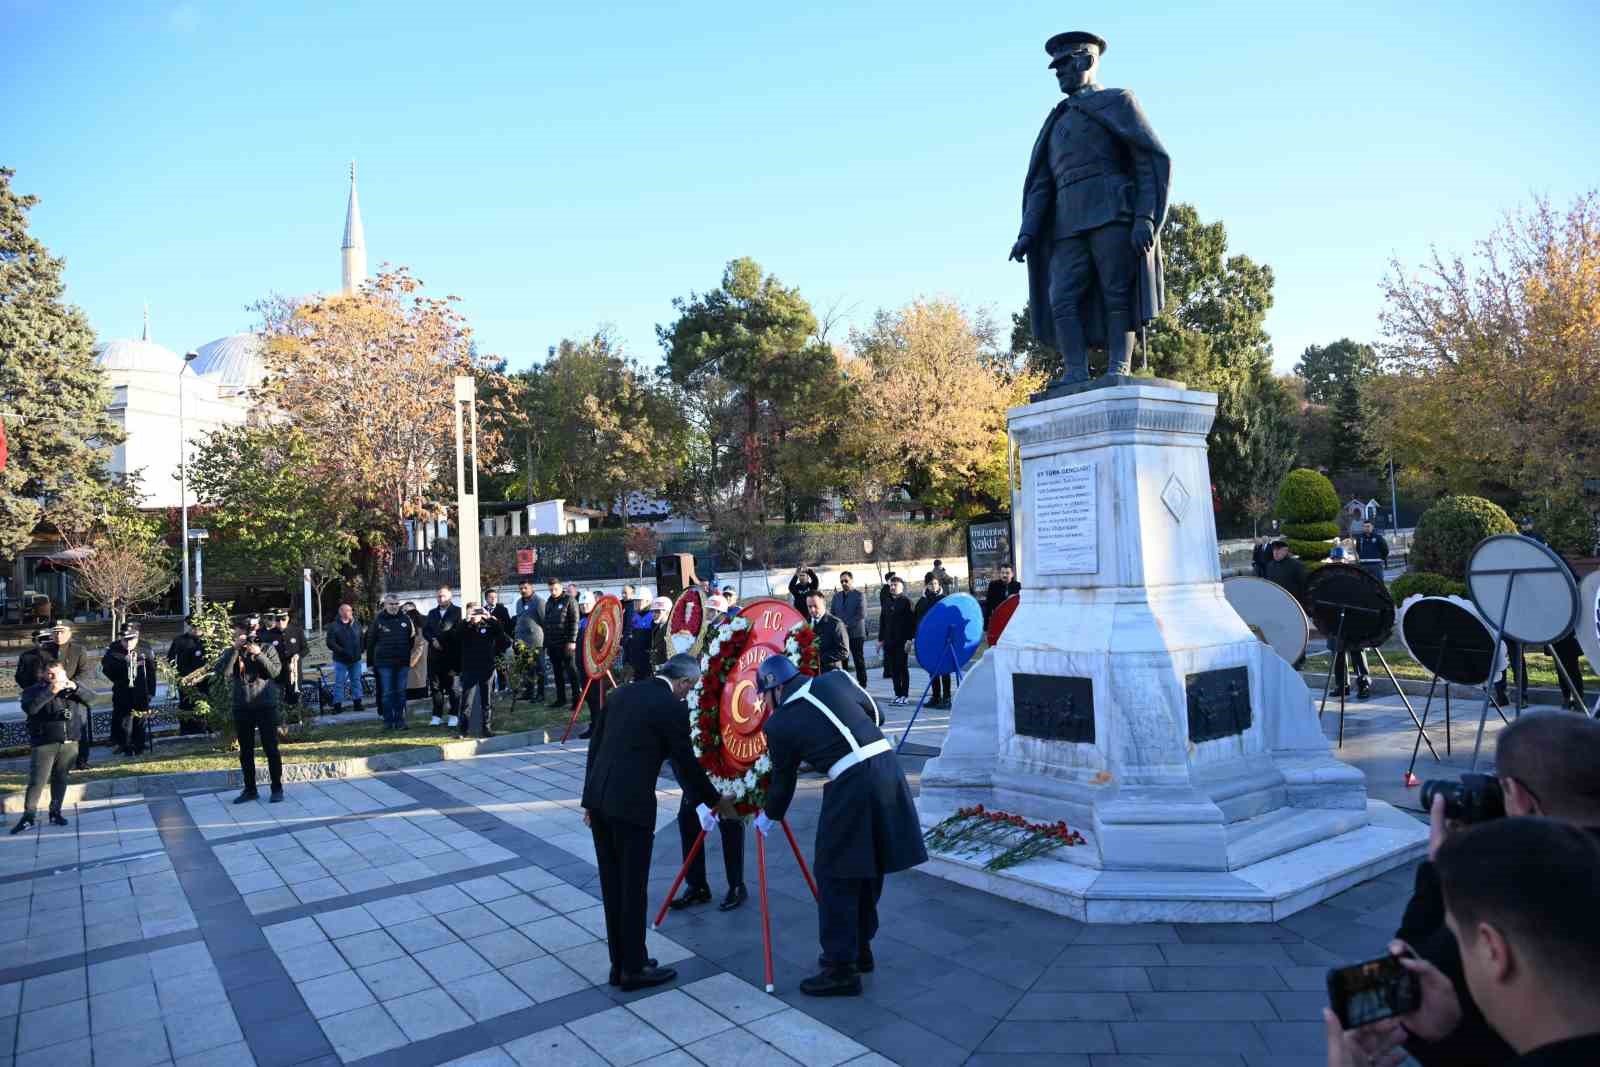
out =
column 233, row 362
column 130, row 355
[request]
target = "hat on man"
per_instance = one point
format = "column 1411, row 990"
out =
column 1279, row 543
column 44, row 633
column 716, row 603
column 129, row 630
column 585, row 599
column 728, row 590
column 661, row 603
column 1062, row 44
column 682, row 666
column 774, row 672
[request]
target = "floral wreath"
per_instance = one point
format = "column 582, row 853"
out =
column 748, row 786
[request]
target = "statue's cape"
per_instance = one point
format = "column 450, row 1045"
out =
column 1118, row 112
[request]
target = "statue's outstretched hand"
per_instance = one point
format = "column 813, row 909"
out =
column 1144, row 236
column 1020, row 249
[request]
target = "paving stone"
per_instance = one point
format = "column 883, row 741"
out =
column 530, row 878
column 395, row 910
column 258, row 881
column 76, row 1053
column 487, row 995
column 545, row 978
column 120, row 1007
column 427, row 1013
column 1072, row 1007
column 564, row 898
column 1014, row 1036
column 489, row 1057
column 235, row 1055
column 470, row 922
column 10, row 1002
column 679, row 1016
column 555, row 1047
column 1202, row 1006
column 449, row 962
column 141, row 1045
column 1070, row 978
column 334, row 994
column 738, row 1048
column 801, row 1037
column 345, row 922
column 270, row 900
column 395, row 978
column 374, row 946
column 312, row 961
column 419, row 935
column 361, row 1033
column 502, row 948
column 191, row 989
column 318, row 889
column 733, row 998
column 1299, row 1005
column 1186, row 1038
column 490, row 887
column 519, row 909
column 51, row 989
column 192, row 1032
column 620, row 1036
column 442, row 898
column 1218, row 978
column 108, row 976
column 294, row 934
column 901, row 1041
column 556, row 933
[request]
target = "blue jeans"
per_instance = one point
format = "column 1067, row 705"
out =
column 346, row 678
column 484, row 703
column 392, row 684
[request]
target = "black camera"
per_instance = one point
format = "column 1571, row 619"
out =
column 1475, row 798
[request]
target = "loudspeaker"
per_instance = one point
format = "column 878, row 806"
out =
column 674, row 574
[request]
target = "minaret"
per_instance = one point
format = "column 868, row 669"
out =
column 353, row 252
column 146, row 336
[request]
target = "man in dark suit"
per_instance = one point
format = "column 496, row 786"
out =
column 998, row 590
column 443, row 632
column 644, row 725
column 833, row 641
column 850, row 608
column 868, row 826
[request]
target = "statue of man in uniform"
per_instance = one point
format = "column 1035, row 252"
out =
column 1092, row 208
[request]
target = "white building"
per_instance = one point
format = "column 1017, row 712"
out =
column 145, row 379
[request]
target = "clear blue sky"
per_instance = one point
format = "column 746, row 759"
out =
column 558, row 166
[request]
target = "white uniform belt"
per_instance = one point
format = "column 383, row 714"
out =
column 859, row 755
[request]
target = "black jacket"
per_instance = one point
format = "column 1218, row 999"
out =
column 868, row 825
column 1261, row 559
column 833, row 642
column 660, row 644
column 133, row 681
column 925, row 603
column 502, row 615
column 481, row 644
column 31, row 664
column 444, row 626
column 997, row 593
column 389, row 639
column 850, row 607
column 642, row 727
column 346, row 641
column 800, row 587
column 53, row 717
column 291, row 645
column 560, row 622
column 1290, row 573
column 898, row 623
column 186, row 653
column 636, row 643
column 1372, row 546
column 528, row 621
column 252, row 680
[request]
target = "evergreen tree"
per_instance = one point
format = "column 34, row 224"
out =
column 1352, row 447
column 52, row 392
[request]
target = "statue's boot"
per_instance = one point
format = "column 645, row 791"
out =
column 1119, row 344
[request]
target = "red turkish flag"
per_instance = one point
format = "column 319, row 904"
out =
column 2, row 444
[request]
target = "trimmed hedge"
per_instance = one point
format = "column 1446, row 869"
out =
column 1421, row 583
column 1309, row 551
column 1307, row 496
column 1449, row 531
column 1311, row 531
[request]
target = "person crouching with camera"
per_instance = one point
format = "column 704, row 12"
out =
column 56, row 714
column 251, row 667
column 1548, row 766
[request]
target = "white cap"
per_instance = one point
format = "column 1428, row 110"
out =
column 661, row 603
column 716, row 603
column 585, row 599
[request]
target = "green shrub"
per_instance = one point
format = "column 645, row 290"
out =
column 1309, row 551
column 1448, row 532
column 1422, row 583
column 1311, row 531
column 1306, row 496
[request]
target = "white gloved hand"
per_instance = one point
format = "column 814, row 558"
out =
column 763, row 824
column 708, row 818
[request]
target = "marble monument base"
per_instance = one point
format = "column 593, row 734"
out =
column 1128, row 699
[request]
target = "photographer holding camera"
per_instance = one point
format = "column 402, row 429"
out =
column 1519, row 896
column 251, row 667
column 56, row 713
column 1549, row 765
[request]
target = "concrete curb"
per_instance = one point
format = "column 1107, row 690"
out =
column 148, row 785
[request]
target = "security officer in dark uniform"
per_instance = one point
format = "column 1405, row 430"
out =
column 130, row 666
column 32, row 663
column 868, row 827
column 187, row 653
column 55, row 710
column 290, row 643
column 1094, row 200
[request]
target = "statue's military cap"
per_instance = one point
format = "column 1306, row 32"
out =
column 1062, row 44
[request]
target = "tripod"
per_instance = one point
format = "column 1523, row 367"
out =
column 1444, row 648
column 947, row 656
column 1344, row 611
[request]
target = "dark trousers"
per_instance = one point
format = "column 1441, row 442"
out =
column 622, row 853
column 732, row 847
column 1567, row 650
column 1350, row 656
column 391, row 681
column 442, row 684
column 471, row 686
column 49, row 764
column 858, row 656
column 894, row 662
column 561, row 666
column 1103, row 256
column 85, row 739
column 533, row 684
column 939, row 693
column 265, row 722
column 127, row 730
column 847, row 917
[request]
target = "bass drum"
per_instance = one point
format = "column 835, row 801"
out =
column 1272, row 614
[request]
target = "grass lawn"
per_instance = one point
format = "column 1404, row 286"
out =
column 1541, row 669
column 319, row 744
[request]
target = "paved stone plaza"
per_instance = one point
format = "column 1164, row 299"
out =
column 450, row 914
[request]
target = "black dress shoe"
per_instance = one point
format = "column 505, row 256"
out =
column 736, row 895
column 690, row 898
column 277, row 796
column 864, row 962
column 1340, row 691
column 22, row 824
column 57, row 819
column 1363, row 691
column 650, row 976
column 246, row 797
column 616, row 973
column 832, row 982
column 588, row 732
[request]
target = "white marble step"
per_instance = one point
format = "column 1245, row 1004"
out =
column 1265, row 836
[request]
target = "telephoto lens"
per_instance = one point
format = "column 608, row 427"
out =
column 1475, row 798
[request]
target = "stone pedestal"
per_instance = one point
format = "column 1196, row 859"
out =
column 1129, row 699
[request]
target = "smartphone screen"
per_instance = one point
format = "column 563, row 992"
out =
column 1367, row 992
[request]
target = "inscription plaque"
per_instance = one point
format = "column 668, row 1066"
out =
column 1066, row 519
column 1219, row 703
column 1053, row 707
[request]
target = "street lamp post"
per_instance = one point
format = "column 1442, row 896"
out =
column 183, row 479
column 198, row 537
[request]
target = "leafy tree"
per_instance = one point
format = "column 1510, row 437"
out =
column 1327, row 368
column 57, row 431
column 1495, row 361
column 1353, row 447
column 121, row 557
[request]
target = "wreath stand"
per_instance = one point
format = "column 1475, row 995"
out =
column 577, row 707
column 761, row 873
column 948, row 656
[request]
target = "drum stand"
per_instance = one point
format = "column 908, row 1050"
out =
column 950, row 657
column 577, row 707
column 1444, row 644
column 1327, row 684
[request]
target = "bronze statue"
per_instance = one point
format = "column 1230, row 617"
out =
column 1092, row 208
